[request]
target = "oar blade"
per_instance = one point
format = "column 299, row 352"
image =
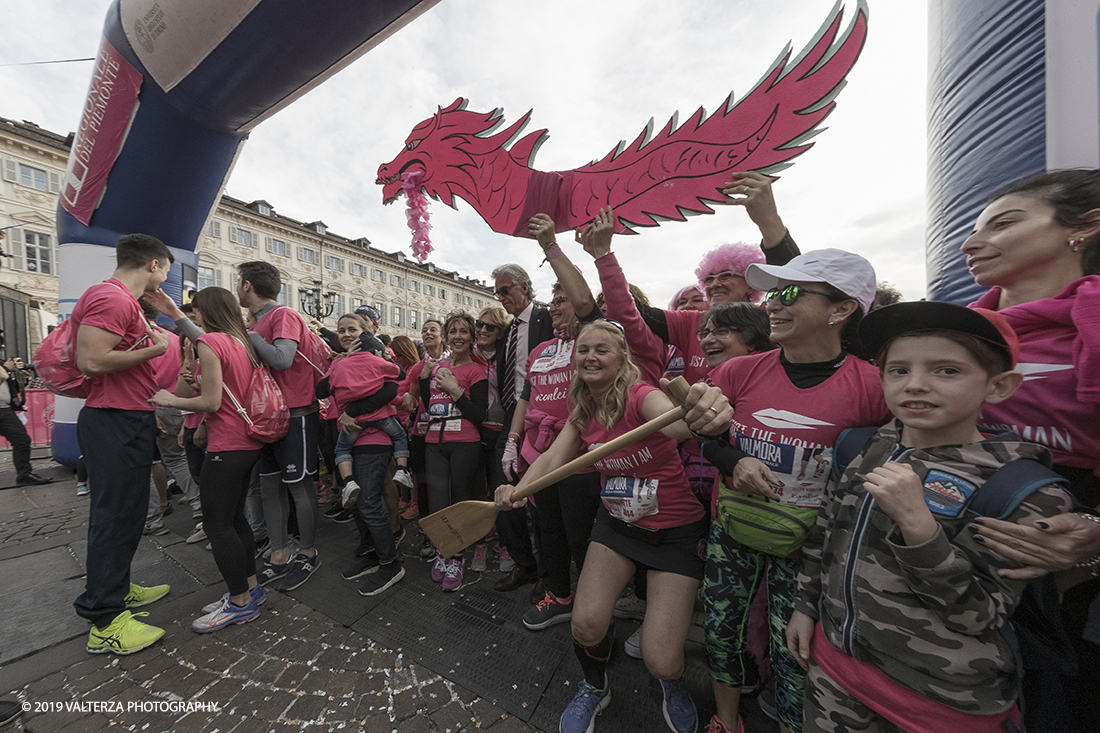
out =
column 460, row 525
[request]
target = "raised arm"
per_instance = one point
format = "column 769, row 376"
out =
column 541, row 227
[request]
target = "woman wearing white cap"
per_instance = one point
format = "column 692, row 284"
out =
column 789, row 407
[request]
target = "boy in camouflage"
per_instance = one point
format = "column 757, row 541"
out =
column 899, row 609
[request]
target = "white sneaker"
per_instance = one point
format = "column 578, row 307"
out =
column 197, row 535
column 630, row 606
column 350, row 494
column 403, row 478
column 633, row 645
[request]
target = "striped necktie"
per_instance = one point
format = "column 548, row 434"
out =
column 508, row 394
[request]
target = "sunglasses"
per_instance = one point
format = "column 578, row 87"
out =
column 556, row 302
column 718, row 333
column 791, row 293
column 478, row 325
column 502, row 291
column 724, row 276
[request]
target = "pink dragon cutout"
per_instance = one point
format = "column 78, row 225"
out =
column 678, row 172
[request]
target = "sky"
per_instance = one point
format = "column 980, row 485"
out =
column 594, row 72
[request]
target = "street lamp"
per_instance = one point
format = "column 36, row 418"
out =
column 313, row 304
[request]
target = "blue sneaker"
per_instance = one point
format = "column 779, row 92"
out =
column 226, row 614
column 678, row 708
column 258, row 595
column 580, row 715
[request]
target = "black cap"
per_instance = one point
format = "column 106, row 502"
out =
column 880, row 326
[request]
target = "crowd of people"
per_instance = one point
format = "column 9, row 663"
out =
column 832, row 497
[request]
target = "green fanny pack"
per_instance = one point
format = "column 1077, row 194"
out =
column 762, row 524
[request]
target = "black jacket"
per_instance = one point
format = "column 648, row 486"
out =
column 540, row 329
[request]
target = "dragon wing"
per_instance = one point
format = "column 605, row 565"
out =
column 683, row 169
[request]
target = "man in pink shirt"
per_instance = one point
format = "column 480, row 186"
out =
column 116, row 430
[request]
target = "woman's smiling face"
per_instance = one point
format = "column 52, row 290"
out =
column 348, row 330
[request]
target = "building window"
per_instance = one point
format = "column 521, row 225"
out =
column 319, row 228
column 242, row 237
column 35, row 178
column 356, row 303
column 37, row 249
column 397, row 315
column 377, row 276
column 467, row 300
column 278, row 247
column 263, row 209
column 414, row 285
column 209, row 277
column 381, row 308
column 214, row 229
column 339, row 309
column 357, row 269
column 458, row 297
column 334, row 263
column 414, row 319
column 443, row 293
column 283, row 295
column 480, row 303
column 397, row 281
column 305, row 254
column 429, row 289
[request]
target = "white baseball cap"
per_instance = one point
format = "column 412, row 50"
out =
column 847, row 272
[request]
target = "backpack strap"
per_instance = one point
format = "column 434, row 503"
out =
column 1010, row 485
column 849, row 444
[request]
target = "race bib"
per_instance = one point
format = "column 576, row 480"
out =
column 628, row 498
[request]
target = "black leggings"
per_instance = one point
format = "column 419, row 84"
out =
column 452, row 470
column 223, row 488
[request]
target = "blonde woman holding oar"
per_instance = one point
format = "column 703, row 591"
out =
column 648, row 516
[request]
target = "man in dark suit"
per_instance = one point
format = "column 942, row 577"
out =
column 530, row 327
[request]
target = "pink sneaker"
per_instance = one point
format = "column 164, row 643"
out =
column 481, row 553
column 506, row 561
column 455, row 569
column 439, row 568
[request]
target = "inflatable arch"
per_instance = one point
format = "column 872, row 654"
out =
column 175, row 91
column 1012, row 91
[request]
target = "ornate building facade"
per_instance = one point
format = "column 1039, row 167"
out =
column 323, row 274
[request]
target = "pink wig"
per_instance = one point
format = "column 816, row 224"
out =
column 681, row 293
column 735, row 257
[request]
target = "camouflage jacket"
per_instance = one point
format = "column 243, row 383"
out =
column 929, row 616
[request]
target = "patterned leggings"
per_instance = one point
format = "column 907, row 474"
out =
column 733, row 575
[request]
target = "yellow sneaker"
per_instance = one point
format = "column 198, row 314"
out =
column 125, row 635
column 140, row 596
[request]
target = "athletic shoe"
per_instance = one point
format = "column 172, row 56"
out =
column 439, row 568
column 766, row 701
column 301, row 567
column 366, row 546
column 155, row 528
column 633, row 645
column 198, row 534
column 166, row 509
column 549, row 611
column 399, row 535
column 412, row 511
column 262, row 546
column 427, row 549
column 580, row 714
column 455, row 570
column 345, row 516
column 481, row 553
column 270, row 571
column 124, row 635
column 174, row 488
column 350, row 494
column 140, row 596
column 678, row 708
column 717, row 726
column 630, row 606
column 196, row 511
column 402, row 477
column 258, row 595
column 9, row 711
column 506, row 561
column 386, row 576
column 359, row 568
column 225, row 615
column 82, row 490
column 325, row 495
column 333, row 511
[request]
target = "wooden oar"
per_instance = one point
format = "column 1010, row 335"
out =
column 460, row 525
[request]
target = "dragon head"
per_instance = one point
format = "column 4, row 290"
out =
column 440, row 147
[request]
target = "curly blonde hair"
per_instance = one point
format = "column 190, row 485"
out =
column 614, row 402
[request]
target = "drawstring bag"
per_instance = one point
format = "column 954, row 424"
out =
column 757, row 522
column 55, row 363
column 266, row 413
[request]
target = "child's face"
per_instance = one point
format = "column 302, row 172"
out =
column 937, row 388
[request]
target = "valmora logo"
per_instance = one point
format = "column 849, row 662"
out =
column 787, row 420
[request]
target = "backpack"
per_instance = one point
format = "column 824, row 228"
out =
column 1035, row 633
column 265, row 412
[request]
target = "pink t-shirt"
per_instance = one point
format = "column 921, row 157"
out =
column 550, row 366
column 110, row 306
column 298, row 381
column 644, row 483
column 360, row 375
column 791, row 430
column 226, row 427
column 167, row 365
column 440, row 406
column 682, row 326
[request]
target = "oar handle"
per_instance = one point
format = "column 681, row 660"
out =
column 678, row 387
